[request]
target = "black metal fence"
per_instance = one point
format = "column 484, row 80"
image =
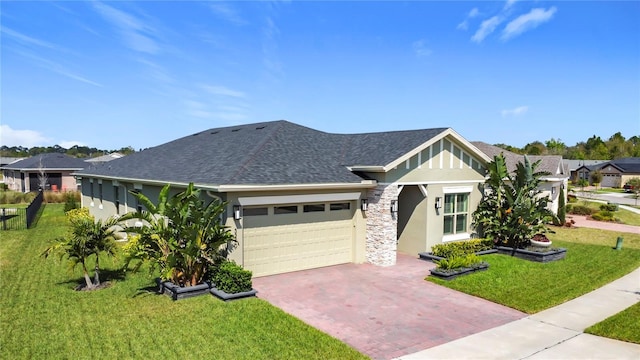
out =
column 20, row 218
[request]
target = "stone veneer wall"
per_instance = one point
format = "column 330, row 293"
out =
column 382, row 226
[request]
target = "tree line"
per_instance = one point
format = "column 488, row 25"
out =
column 75, row 151
column 615, row 147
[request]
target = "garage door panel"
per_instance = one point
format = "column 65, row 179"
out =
column 283, row 248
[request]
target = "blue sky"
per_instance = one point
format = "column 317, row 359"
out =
column 115, row 74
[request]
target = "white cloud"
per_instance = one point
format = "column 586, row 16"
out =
column 57, row 68
column 420, row 48
column 487, row 27
column 68, row 144
column 520, row 110
column 509, row 4
column 527, row 21
column 24, row 39
column 26, row 138
column 197, row 109
column 136, row 34
column 222, row 90
column 227, row 13
column 464, row 25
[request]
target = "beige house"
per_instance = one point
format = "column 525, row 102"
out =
column 299, row 198
column 615, row 173
column 53, row 169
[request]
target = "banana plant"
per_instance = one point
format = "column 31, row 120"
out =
column 181, row 236
column 512, row 209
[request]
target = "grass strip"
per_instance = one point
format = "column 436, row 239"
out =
column 44, row 318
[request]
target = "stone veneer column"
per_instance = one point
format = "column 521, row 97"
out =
column 382, row 226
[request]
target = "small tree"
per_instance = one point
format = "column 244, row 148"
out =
column 561, row 207
column 596, row 178
column 635, row 186
column 86, row 238
column 43, row 178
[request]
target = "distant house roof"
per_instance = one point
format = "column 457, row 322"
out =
column 625, row 165
column 575, row 164
column 8, row 160
column 553, row 164
column 269, row 153
column 105, row 158
column 49, row 161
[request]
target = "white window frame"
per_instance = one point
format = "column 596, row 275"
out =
column 458, row 190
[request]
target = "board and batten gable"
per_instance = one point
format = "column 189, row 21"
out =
column 447, row 166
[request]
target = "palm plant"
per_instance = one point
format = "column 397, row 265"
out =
column 86, row 238
column 512, row 210
column 181, row 236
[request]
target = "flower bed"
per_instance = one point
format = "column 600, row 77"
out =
column 176, row 292
column 535, row 253
column 427, row 256
column 450, row 274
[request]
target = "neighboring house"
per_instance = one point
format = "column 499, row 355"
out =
column 579, row 168
column 615, row 173
column 25, row 175
column 6, row 161
column 553, row 164
column 299, row 198
column 104, row 158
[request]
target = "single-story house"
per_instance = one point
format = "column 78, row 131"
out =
column 615, row 173
column 300, row 198
column 26, row 175
column 553, row 164
column 577, row 168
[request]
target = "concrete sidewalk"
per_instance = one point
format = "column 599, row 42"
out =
column 555, row 333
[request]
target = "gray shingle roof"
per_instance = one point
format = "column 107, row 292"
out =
column 549, row 163
column 269, row 153
column 49, row 161
column 627, row 165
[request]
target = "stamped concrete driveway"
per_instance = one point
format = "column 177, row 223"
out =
column 383, row 312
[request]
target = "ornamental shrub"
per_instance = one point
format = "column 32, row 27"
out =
column 609, row 207
column 70, row 202
column 581, row 210
column 458, row 261
column 460, row 248
column 232, row 278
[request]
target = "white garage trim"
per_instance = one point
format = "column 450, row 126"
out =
column 293, row 199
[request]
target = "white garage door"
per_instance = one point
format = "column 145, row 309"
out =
column 286, row 238
column 610, row 180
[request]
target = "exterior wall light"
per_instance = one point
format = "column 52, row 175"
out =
column 553, row 190
column 438, row 202
column 236, row 212
column 394, row 206
column 364, row 204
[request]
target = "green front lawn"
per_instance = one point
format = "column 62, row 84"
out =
column 625, row 216
column 532, row 287
column 623, row 326
column 43, row 318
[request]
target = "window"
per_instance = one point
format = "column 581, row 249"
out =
column 340, row 206
column 313, row 208
column 116, row 197
column 456, row 213
column 291, row 209
column 255, row 211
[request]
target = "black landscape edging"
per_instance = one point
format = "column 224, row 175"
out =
column 548, row 256
column 427, row 256
column 226, row 297
column 454, row 273
column 176, row 292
